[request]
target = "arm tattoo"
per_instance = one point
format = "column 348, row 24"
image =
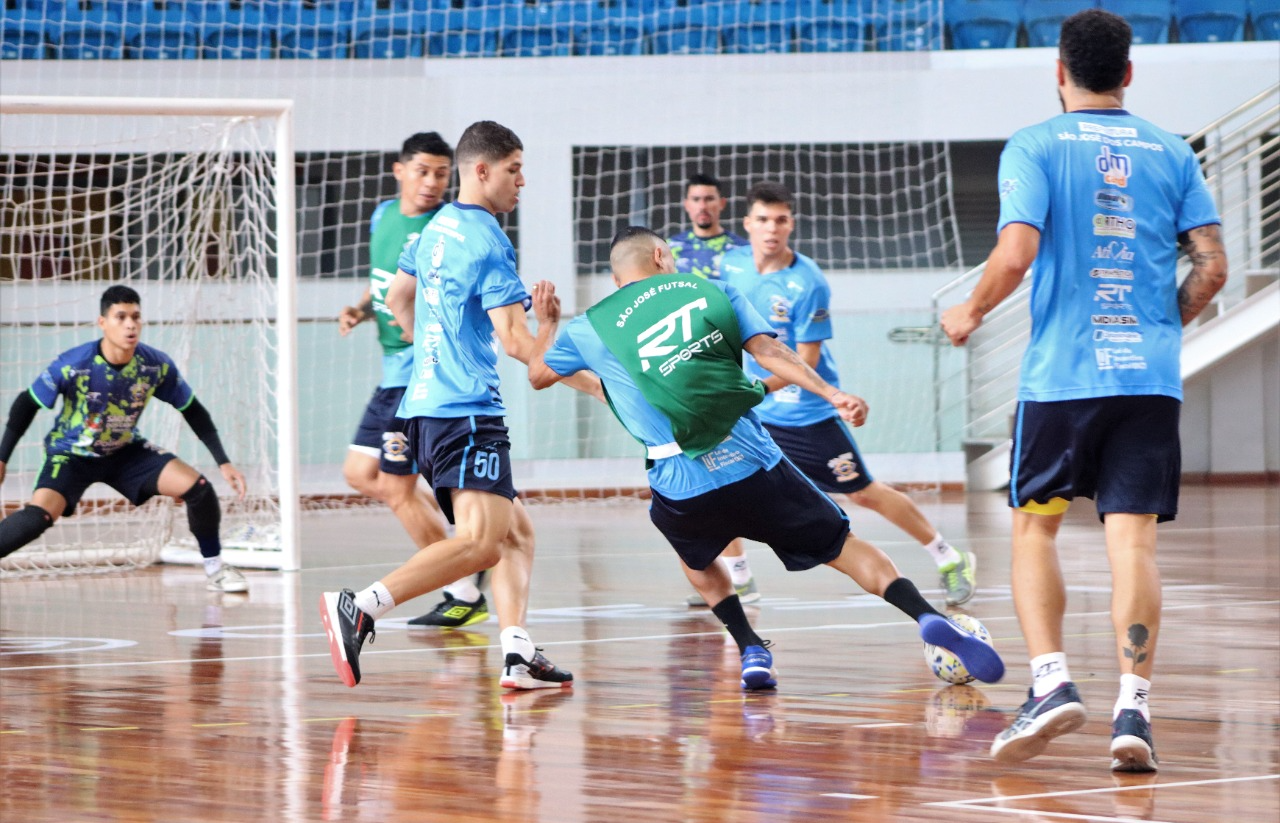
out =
column 784, row 352
column 1203, row 246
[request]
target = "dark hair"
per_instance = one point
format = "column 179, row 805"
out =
column 704, row 179
column 115, row 295
column 425, row 142
column 486, row 142
column 1094, row 48
column 632, row 232
column 769, row 194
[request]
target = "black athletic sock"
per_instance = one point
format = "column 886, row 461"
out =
column 21, row 527
column 904, row 595
column 734, row 619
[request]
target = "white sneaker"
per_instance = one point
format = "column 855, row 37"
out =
column 227, row 579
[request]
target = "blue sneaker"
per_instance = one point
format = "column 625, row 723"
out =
column 1131, row 746
column 982, row 660
column 1039, row 721
column 757, row 668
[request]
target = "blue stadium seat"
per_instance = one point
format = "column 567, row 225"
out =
column 22, row 28
column 759, row 27
column 538, row 28
column 1211, row 21
column 237, row 29
column 608, row 26
column 691, row 29
column 1265, row 15
column 87, row 30
column 830, row 25
column 473, row 30
column 160, row 29
column 983, row 24
column 1043, row 19
column 1149, row 19
column 389, row 29
column 904, row 25
column 315, row 29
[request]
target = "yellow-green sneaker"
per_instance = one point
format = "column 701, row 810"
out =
column 452, row 613
column 959, row 579
column 747, row 593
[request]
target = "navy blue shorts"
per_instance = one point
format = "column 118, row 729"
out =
column 777, row 506
column 381, row 432
column 462, row 453
column 134, row 471
column 1124, row 452
column 826, row 453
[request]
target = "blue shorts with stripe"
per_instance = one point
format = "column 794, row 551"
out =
column 380, row 429
column 462, row 453
column 1123, row 452
column 777, row 506
column 826, row 453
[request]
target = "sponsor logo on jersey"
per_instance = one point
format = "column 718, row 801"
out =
column 1114, row 250
column 1109, row 131
column 1114, row 168
column 657, row 335
column 1113, row 200
column 820, row 316
column 843, row 467
column 1112, row 225
column 1112, row 293
column 1108, row 336
column 1111, row 274
column 779, row 308
column 1008, row 186
column 1109, row 359
column 1115, row 320
column 437, row 251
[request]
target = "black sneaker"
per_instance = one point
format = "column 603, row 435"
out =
column 347, row 628
column 1039, row 721
column 452, row 613
column 538, row 673
column 1131, row 746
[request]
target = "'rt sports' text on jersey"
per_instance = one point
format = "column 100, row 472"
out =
column 101, row 403
column 464, row 266
column 701, row 255
column 746, row 450
column 1109, row 193
column 797, row 304
column 389, row 233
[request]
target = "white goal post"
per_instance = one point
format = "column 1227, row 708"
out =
column 42, row 154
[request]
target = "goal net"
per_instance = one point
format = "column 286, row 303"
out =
column 183, row 202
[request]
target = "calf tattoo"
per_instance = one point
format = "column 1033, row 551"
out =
column 1139, row 635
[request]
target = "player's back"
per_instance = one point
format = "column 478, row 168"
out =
column 1109, row 193
column 464, row 266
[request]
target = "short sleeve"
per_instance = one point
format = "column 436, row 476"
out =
column 409, row 255
column 48, row 385
column 172, row 388
column 564, row 357
column 750, row 323
column 1024, row 183
column 1197, row 208
column 811, row 314
column 499, row 285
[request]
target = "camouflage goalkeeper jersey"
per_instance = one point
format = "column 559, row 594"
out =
column 701, row 255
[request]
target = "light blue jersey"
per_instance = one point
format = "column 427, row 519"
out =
column 1109, row 193
column 747, row 449
column 797, row 303
column 464, row 266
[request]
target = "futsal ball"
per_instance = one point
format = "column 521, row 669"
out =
column 946, row 665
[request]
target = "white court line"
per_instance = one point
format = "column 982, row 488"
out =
column 370, row 652
column 1107, row 790
column 1040, row 815
column 847, row 796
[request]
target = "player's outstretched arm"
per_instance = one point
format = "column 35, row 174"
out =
column 1014, row 253
column 198, row 418
column 512, row 328
column 352, row 316
column 787, row 364
column 399, row 300
column 21, row 413
column 1208, row 275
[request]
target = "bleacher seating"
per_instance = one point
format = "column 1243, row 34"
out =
column 1211, row 21
column 983, row 24
column 390, row 29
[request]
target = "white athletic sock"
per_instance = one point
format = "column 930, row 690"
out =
column 1133, row 695
column 941, row 551
column 464, row 589
column 516, row 640
column 212, row 565
column 739, row 569
column 1050, row 672
column 375, row 601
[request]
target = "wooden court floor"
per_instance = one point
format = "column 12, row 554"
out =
column 140, row 697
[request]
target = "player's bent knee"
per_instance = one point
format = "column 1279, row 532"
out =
column 204, row 515
column 21, row 527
